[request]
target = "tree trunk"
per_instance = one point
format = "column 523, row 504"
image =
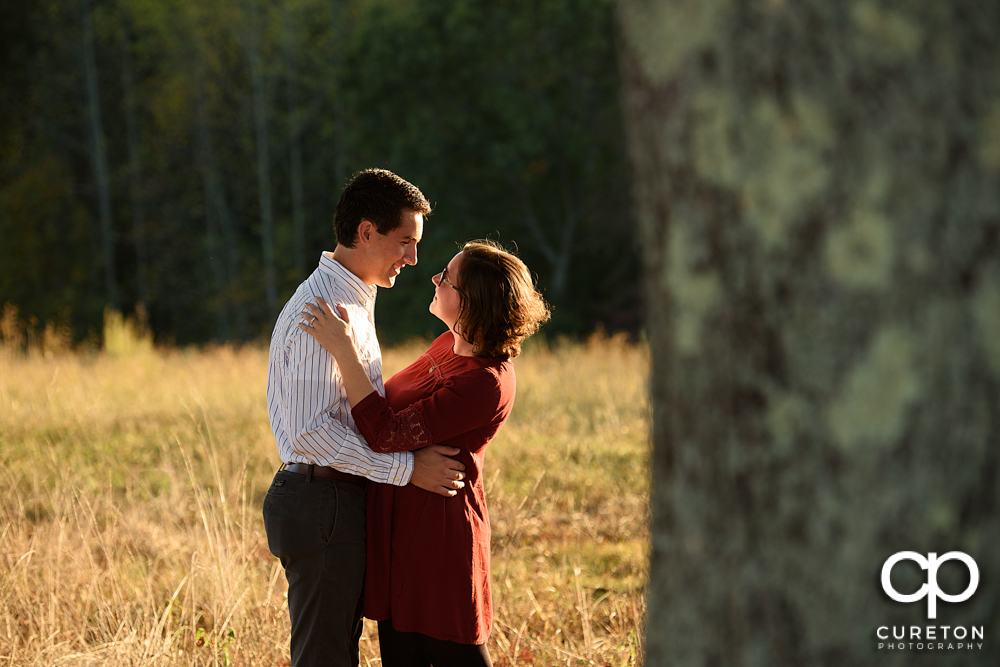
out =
column 224, row 255
column 135, row 172
column 819, row 211
column 294, row 149
column 259, row 101
column 557, row 254
column 342, row 28
column 98, row 155
column 216, row 251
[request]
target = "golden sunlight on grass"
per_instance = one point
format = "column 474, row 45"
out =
column 131, row 531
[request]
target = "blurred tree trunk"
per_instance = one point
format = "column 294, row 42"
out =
column 252, row 37
column 224, row 247
column 216, row 248
column 818, row 193
column 294, row 145
column 98, row 154
column 340, row 30
column 559, row 253
column 134, row 170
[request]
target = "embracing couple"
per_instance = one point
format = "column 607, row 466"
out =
column 379, row 508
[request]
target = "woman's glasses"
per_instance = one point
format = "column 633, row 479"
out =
column 444, row 279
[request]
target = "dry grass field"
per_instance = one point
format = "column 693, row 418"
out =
column 131, row 533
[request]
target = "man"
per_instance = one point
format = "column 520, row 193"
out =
column 314, row 511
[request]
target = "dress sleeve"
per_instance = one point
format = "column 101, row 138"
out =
column 464, row 403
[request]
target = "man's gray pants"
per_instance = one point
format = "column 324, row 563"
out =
column 316, row 527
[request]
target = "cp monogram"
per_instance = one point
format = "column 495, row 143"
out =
column 930, row 589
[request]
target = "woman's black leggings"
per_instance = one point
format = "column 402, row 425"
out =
column 412, row 649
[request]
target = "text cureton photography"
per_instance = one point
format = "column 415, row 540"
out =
column 930, row 637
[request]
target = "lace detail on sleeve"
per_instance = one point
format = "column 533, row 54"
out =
column 405, row 430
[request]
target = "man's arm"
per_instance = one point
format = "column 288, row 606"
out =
column 311, row 387
column 316, row 433
column 433, row 471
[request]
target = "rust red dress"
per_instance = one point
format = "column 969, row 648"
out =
column 429, row 556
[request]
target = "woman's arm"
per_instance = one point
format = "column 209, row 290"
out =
column 333, row 333
column 466, row 402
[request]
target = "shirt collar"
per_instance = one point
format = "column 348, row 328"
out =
column 333, row 268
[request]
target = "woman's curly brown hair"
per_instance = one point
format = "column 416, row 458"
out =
column 500, row 306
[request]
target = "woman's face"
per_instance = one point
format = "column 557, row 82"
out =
column 447, row 299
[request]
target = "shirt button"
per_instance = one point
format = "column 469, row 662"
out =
column 364, row 472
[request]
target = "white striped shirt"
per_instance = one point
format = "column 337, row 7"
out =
column 306, row 401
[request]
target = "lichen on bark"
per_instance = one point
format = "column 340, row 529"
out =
column 817, row 194
column 870, row 410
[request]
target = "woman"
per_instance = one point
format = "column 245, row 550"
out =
column 428, row 576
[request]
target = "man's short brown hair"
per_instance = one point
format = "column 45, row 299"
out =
column 377, row 195
column 500, row 305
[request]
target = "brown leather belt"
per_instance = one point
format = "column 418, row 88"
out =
column 309, row 469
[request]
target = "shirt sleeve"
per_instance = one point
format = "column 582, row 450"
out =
column 464, row 403
column 315, row 425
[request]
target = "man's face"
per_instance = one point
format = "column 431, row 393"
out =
column 388, row 254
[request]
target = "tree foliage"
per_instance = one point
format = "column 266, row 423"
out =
column 230, row 127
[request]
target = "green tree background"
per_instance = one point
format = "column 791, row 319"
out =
column 189, row 156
